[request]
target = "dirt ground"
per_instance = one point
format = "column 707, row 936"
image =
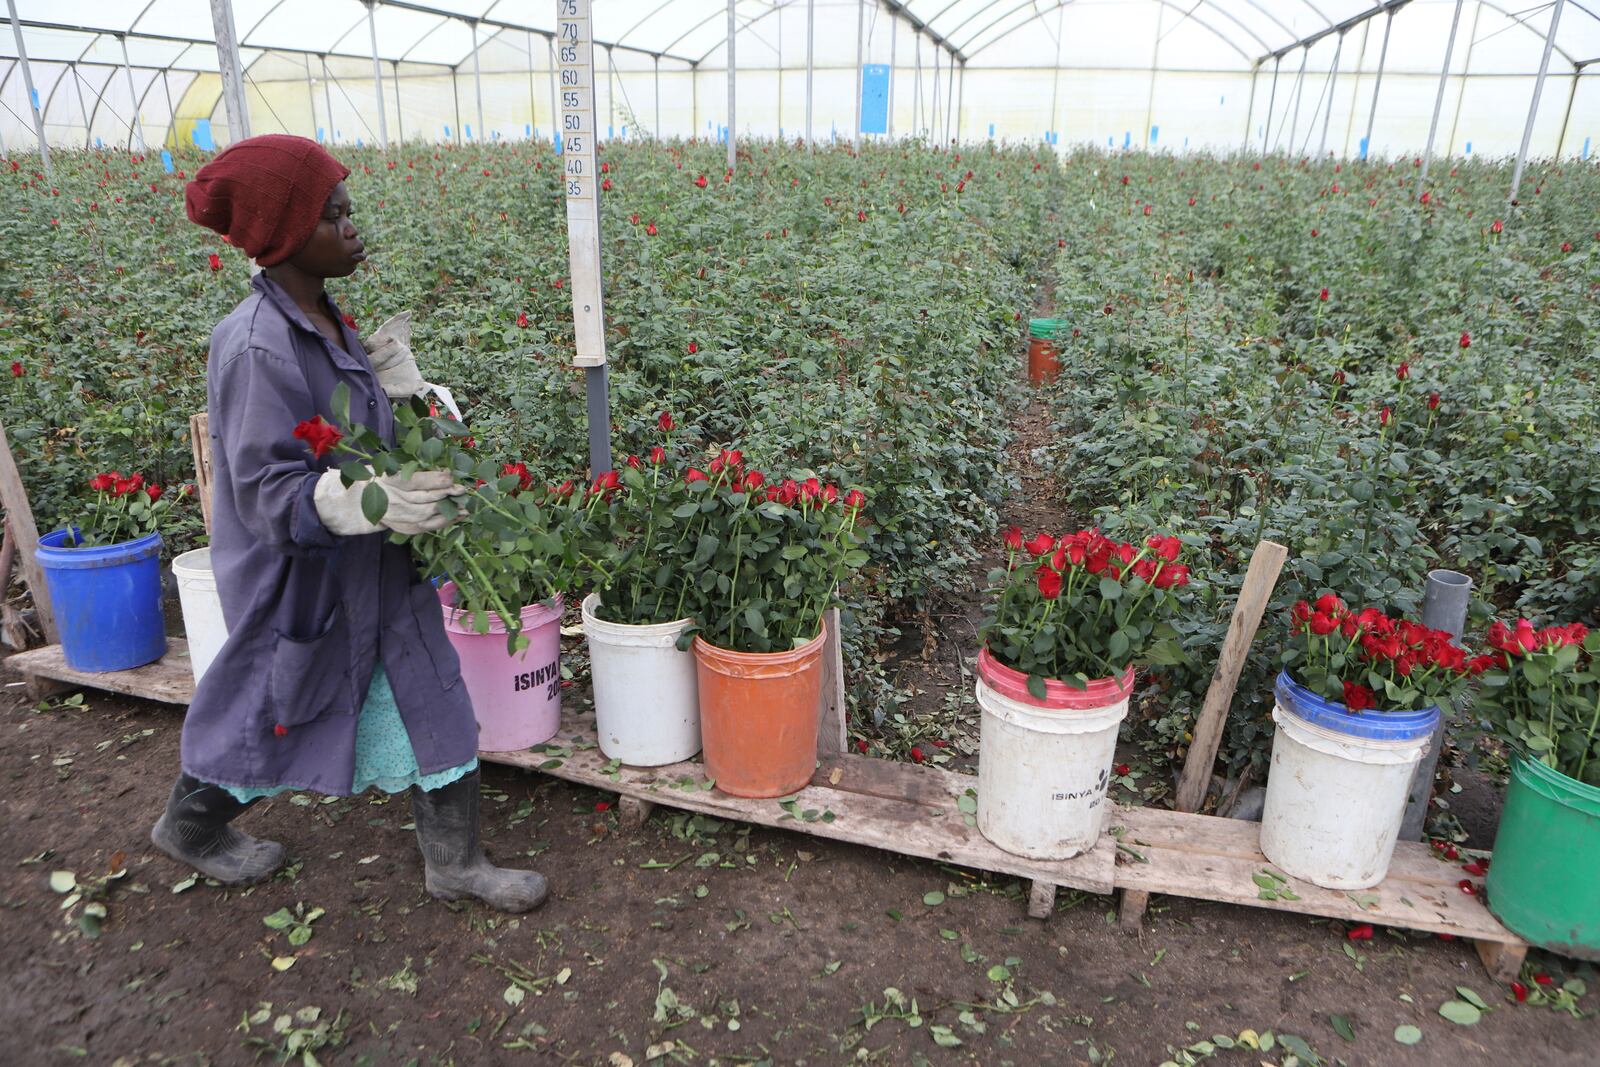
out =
column 687, row 941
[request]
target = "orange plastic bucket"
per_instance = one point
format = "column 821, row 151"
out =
column 1044, row 361
column 759, row 713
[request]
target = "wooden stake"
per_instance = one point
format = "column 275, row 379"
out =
column 14, row 498
column 1262, row 575
column 200, row 442
column 1129, row 916
column 1502, row 961
column 831, row 735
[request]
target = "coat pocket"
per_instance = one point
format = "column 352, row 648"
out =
column 310, row 677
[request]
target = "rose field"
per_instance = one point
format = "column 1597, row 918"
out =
column 1383, row 380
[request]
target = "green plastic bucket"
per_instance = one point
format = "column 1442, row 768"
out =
column 1544, row 875
column 1048, row 329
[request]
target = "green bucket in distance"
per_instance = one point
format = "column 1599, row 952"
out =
column 1544, row 875
column 1046, row 329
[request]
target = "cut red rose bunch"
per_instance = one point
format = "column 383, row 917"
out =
column 516, row 542
column 126, row 508
column 1083, row 606
column 1541, row 694
column 1368, row 661
column 753, row 558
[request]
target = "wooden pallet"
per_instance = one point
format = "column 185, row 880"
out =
column 1207, row 858
column 169, row 679
column 912, row 810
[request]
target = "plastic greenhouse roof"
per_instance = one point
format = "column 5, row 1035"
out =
column 1164, row 34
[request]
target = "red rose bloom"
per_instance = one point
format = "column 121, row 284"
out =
column 318, row 435
column 1049, row 583
column 664, row 421
column 1013, row 539
column 1041, row 543
column 1358, row 697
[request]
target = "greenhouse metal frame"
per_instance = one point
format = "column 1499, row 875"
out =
column 171, row 72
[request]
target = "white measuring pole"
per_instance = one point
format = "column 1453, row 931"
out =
column 894, row 34
column 33, row 96
column 575, row 54
column 477, row 81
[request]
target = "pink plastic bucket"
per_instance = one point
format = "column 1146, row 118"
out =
column 517, row 699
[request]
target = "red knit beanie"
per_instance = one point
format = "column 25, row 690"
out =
column 265, row 194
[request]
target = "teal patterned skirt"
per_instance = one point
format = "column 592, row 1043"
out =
column 384, row 759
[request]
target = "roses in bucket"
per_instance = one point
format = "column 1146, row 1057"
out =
column 514, row 543
column 765, row 556
column 1082, row 606
column 1541, row 693
column 126, row 508
column 1368, row 661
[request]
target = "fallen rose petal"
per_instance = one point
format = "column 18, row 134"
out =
column 1519, row 991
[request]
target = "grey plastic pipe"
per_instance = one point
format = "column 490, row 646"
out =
column 1445, row 596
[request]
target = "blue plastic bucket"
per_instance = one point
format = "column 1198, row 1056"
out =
column 107, row 601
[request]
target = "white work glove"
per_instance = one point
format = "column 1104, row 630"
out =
column 389, row 349
column 413, row 503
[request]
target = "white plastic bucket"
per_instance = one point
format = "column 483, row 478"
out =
column 646, row 697
column 203, row 624
column 1042, row 770
column 1334, row 801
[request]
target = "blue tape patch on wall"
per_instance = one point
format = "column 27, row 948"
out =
column 166, row 161
column 201, row 135
column 321, row 133
column 446, row 133
column 1155, row 133
column 875, row 98
column 1363, row 148
column 468, row 127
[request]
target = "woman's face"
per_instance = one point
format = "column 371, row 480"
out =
column 335, row 249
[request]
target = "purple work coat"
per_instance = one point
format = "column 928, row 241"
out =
column 308, row 613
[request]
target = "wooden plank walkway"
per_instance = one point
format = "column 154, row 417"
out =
column 916, row 811
column 168, row 680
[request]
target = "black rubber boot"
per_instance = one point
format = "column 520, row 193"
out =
column 194, row 830
column 453, row 862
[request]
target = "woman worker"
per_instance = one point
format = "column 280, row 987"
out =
column 336, row 675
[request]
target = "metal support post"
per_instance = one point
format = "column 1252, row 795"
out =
column 1150, row 98
column 555, row 112
column 1055, row 76
column 533, row 94
column 933, row 101
column 233, row 97
column 1461, row 91
column 1249, row 111
column 327, row 94
column 733, row 151
column 88, row 134
column 1333, row 80
column 455, row 101
column 33, row 96
column 1355, row 90
column 810, row 66
column 916, row 91
column 1438, row 100
column 611, row 94
column 1566, row 117
column 894, row 44
column 311, row 94
column 1383, row 55
column 658, row 98
column 172, row 109
column 1533, row 105
column 377, row 77
column 477, row 80
column 861, row 35
column 1272, row 100
column 133, row 95
column 1299, row 94
column 960, row 95
column 399, row 112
